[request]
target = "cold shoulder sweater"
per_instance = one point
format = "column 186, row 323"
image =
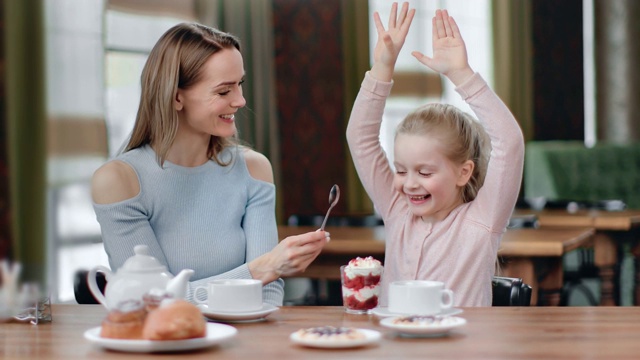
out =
column 461, row 249
column 209, row 218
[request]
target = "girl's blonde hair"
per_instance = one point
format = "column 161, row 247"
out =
column 176, row 61
column 462, row 139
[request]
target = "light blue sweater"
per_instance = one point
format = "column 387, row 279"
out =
column 209, row 218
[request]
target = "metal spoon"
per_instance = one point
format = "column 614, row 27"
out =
column 334, row 196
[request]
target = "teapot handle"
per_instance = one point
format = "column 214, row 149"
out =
column 93, row 285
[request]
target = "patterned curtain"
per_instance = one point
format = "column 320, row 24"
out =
column 253, row 23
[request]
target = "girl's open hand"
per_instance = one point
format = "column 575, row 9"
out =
column 449, row 50
column 390, row 40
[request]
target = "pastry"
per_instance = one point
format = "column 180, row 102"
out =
column 423, row 320
column 330, row 333
column 125, row 322
column 174, row 320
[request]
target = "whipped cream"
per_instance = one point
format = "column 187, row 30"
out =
column 363, row 267
column 363, row 294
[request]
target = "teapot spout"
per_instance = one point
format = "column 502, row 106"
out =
column 178, row 285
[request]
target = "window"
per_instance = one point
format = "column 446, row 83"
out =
column 474, row 21
column 94, row 61
column 129, row 39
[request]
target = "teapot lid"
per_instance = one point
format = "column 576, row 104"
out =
column 142, row 261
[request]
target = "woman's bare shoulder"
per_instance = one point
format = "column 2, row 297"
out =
column 113, row 182
column 259, row 166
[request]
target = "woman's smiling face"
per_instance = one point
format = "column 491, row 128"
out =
column 209, row 106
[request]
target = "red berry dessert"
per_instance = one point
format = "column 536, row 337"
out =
column 361, row 284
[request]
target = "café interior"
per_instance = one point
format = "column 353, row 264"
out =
column 70, row 71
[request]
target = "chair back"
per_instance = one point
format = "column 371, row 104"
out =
column 510, row 292
column 81, row 287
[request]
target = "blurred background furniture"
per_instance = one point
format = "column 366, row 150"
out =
column 567, row 170
column 335, row 220
column 617, row 234
column 574, row 279
column 536, row 255
column 574, row 272
column 510, row 292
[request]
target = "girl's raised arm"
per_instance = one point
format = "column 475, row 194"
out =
column 390, row 41
column 449, row 50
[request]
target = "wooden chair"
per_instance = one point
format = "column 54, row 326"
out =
column 510, row 292
column 81, row 287
column 573, row 280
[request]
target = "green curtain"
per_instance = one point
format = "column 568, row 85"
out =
column 512, row 43
column 355, row 49
column 26, row 127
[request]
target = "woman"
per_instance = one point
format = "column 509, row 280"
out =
column 184, row 186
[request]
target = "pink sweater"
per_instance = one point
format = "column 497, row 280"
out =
column 460, row 250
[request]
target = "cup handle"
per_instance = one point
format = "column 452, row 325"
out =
column 448, row 295
column 195, row 295
column 93, row 284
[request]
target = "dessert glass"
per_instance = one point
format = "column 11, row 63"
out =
column 360, row 287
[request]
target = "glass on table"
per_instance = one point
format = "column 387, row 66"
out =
column 34, row 304
column 360, row 289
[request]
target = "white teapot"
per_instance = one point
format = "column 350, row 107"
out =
column 137, row 276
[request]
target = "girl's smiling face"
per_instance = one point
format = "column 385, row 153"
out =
column 430, row 182
column 209, row 106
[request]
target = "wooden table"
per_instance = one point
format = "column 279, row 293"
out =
column 613, row 230
column 490, row 333
column 535, row 255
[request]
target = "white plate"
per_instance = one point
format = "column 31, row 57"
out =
column 384, row 312
column 216, row 334
column 440, row 328
column 237, row 316
column 370, row 337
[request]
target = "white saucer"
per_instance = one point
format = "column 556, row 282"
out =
column 439, row 328
column 216, row 334
column 237, row 316
column 384, row 312
column 370, row 337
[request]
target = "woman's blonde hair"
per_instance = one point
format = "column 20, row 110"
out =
column 176, row 61
column 462, row 139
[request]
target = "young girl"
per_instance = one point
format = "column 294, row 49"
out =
column 184, row 186
column 448, row 203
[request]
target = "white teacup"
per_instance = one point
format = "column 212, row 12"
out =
column 232, row 295
column 419, row 297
